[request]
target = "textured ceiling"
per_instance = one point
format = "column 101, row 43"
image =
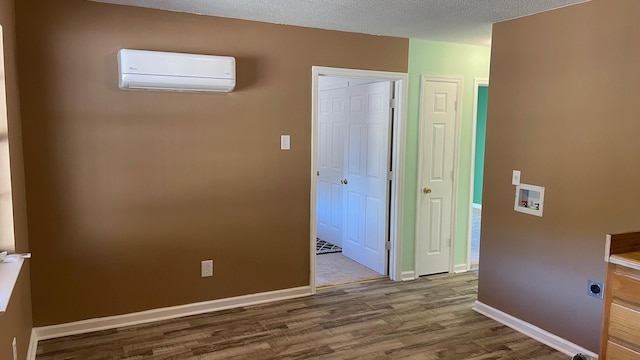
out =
column 458, row 21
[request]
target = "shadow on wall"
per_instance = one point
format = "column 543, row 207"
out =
column 247, row 73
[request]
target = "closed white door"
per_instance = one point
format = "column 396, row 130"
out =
column 366, row 194
column 331, row 107
column 435, row 198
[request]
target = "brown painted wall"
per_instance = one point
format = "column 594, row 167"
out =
column 129, row 190
column 16, row 322
column 563, row 110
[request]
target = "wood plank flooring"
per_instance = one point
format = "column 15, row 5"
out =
column 429, row 318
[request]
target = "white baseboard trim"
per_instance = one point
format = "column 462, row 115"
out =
column 33, row 345
column 408, row 275
column 460, row 268
column 477, row 206
column 532, row 331
column 110, row 322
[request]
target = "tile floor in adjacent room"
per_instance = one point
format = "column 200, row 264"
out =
column 475, row 237
column 336, row 269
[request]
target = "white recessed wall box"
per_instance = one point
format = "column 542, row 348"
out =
column 155, row 70
column 529, row 199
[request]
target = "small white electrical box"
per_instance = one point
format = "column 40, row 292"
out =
column 529, row 199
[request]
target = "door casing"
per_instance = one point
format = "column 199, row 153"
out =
column 456, row 161
column 401, row 81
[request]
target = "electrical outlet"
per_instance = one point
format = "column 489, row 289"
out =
column 14, row 345
column 206, row 268
column 595, row 289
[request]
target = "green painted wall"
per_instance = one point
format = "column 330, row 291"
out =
column 481, row 133
column 437, row 58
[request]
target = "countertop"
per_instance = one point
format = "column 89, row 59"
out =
column 628, row 259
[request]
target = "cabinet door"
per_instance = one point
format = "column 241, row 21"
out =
column 617, row 352
column 625, row 287
column 624, row 324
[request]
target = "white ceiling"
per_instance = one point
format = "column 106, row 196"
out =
column 458, row 21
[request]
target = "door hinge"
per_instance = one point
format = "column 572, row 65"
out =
column 387, row 245
column 390, row 175
column 393, row 103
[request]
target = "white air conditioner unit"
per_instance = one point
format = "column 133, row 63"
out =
column 155, row 70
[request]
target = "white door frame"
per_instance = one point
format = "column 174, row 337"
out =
column 397, row 157
column 477, row 82
column 456, row 170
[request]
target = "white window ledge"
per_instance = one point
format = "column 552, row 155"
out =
column 8, row 277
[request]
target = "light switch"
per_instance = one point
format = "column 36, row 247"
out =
column 285, row 142
column 515, row 178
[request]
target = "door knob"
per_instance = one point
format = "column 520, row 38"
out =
column 343, row 181
column 426, row 190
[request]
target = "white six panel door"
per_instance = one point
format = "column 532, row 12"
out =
column 366, row 171
column 331, row 108
column 435, row 197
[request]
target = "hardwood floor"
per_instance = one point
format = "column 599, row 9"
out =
column 429, row 318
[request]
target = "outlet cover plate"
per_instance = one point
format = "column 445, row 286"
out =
column 206, row 268
column 595, row 289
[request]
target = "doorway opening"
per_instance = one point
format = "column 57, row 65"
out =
column 480, row 101
column 358, row 119
column 354, row 148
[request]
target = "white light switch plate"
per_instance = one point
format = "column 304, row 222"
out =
column 515, row 178
column 285, row 142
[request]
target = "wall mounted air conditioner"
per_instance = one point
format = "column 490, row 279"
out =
column 155, row 70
